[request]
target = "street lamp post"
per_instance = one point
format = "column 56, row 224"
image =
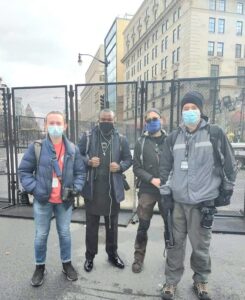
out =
column 106, row 63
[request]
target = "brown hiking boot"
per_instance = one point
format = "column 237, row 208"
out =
column 137, row 266
column 168, row 291
column 201, row 290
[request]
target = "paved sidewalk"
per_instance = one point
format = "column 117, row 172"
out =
column 105, row 281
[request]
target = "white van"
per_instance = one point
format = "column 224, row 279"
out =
column 239, row 151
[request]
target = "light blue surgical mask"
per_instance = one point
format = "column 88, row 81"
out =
column 55, row 131
column 191, row 117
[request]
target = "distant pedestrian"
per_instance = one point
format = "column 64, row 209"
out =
column 198, row 171
column 106, row 154
column 54, row 179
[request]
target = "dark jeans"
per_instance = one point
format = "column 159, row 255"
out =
column 92, row 229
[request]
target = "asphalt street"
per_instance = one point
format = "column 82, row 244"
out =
column 105, row 281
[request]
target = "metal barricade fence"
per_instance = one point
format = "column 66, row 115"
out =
column 23, row 114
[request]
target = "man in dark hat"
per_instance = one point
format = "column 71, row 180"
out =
column 192, row 181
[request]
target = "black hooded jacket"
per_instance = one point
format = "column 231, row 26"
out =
column 146, row 164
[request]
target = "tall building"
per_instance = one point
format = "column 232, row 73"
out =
column 114, row 52
column 90, row 96
column 185, row 38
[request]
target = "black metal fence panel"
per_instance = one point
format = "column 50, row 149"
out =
column 4, row 148
column 30, row 105
column 22, row 117
column 223, row 101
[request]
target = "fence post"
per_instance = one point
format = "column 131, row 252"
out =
column 74, row 134
column 142, row 94
column 171, row 120
column 215, row 92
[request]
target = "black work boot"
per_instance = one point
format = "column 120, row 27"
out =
column 69, row 271
column 38, row 276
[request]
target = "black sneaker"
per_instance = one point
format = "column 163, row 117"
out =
column 38, row 276
column 69, row 271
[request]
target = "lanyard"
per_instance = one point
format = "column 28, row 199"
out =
column 187, row 147
column 56, row 164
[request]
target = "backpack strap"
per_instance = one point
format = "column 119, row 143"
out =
column 214, row 132
column 173, row 137
column 142, row 144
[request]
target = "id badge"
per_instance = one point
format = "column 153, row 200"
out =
column 184, row 165
column 55, row 182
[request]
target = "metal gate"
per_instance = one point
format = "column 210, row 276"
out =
column 24, row 109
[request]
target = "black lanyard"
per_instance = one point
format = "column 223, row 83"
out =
column 187, row 146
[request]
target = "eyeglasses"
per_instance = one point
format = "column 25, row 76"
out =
column 151, row 119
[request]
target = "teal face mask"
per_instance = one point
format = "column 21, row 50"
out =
column 191, row 117
column 55, row 131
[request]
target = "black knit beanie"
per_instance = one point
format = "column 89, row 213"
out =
column 193, row 97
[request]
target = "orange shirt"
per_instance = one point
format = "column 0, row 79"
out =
column 55, row 196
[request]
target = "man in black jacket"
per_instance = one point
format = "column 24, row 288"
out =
column 106, row 154
column 146, row 168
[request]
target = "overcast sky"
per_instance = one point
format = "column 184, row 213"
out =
column 40, row 39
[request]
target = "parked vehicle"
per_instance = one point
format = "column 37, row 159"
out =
column 239, row 151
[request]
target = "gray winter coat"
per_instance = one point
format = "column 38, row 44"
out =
column 202, row 180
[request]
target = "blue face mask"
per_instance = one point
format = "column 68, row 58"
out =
column 191, row 117
column 153, row 126
column 55, row 131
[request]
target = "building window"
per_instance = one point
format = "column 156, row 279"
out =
column 174, row 57
column 178, row 54
column 220, row 5
column 239, row 8
column 166, row 63
column 241, row 72
column 179, row 12
column 220, row 49
column 221, row 26
column 166, row 24
column 211, row 25
column 152, row 71
column 174, row 16
column 210, row 48
column 162, row 64
column 174, row 35
column 155, row 69
column 166, row 43
column 238, row 52
column 162, row 45
column 239, row 25
column 214, row 72
column 163, row 27
column 155, row 51
column 178, row 32
column 212, row 4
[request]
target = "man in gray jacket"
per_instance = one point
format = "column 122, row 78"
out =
column 192, row 182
